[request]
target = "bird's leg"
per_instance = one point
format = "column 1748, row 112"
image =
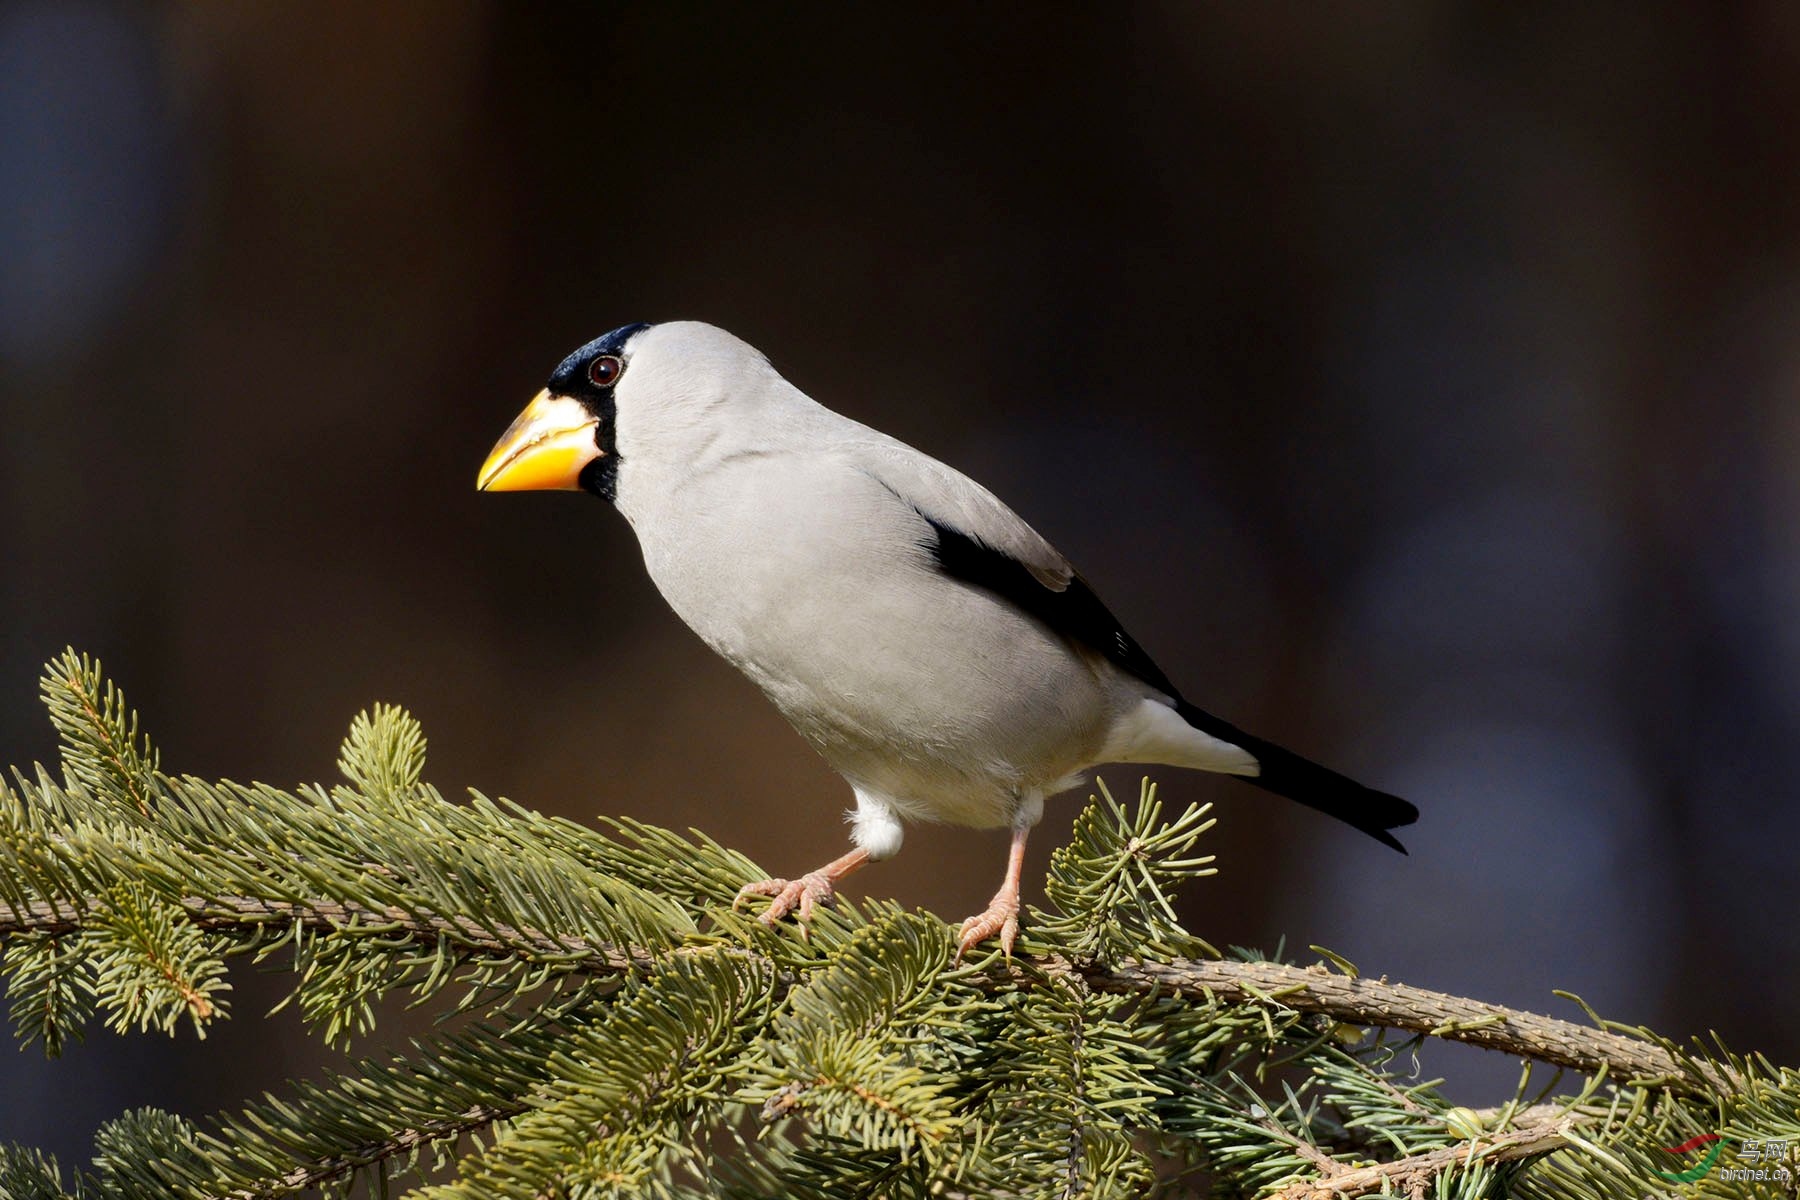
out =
column 805, row 893
column 1002, row 914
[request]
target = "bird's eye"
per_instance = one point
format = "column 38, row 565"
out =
column 605, row 370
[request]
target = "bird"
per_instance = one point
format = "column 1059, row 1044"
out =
column 940, row 654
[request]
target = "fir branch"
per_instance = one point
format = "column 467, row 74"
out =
column 1411, row 1176
column 158, row 966
column 1381, row 1004
column 623, row 1092
column 99, row 734
column 1313, row 990
column 29, row 1175
column 1110, row 884
column 50, row 987
column 640, row 1037
column 401, row 1143
column 384, row 754
column 247, row 915
column 385, row 1109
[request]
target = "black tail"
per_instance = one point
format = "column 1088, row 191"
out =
column 1287, row 774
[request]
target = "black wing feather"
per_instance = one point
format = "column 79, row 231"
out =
column 1077, row 614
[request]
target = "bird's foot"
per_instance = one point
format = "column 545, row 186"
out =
column 804, row 894
column 1001, row 917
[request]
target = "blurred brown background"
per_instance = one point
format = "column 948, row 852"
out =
column 1418, row 383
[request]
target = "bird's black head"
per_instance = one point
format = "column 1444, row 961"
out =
column 577, row 376
column 564, row 439
column 589, row 375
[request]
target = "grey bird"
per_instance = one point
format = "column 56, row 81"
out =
column 941, row 655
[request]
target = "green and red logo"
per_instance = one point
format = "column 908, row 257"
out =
column 1698, row 1171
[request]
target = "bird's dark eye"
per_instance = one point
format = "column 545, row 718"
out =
column 605, row 370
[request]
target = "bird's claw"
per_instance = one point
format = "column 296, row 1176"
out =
column 1001, row 917
column 804, row 894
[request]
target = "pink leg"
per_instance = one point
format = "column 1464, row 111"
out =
column 1002, row 915
column 805, row 893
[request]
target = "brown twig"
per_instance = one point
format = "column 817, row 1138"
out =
column 1376, row 1002
column 1412, row 1175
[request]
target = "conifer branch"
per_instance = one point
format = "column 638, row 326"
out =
column 403, row 1143
column 90, row 715
column 1414, row 1174
column 1381, row 1004
column 635, row 1035
column 245, row 914
column 1312, row 990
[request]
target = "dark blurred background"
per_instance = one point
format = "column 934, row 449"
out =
column 1418, row 383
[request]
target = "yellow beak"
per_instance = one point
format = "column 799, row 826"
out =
column 544, row 449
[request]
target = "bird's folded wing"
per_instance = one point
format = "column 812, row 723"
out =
column 944, row 495
column 980, row 541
